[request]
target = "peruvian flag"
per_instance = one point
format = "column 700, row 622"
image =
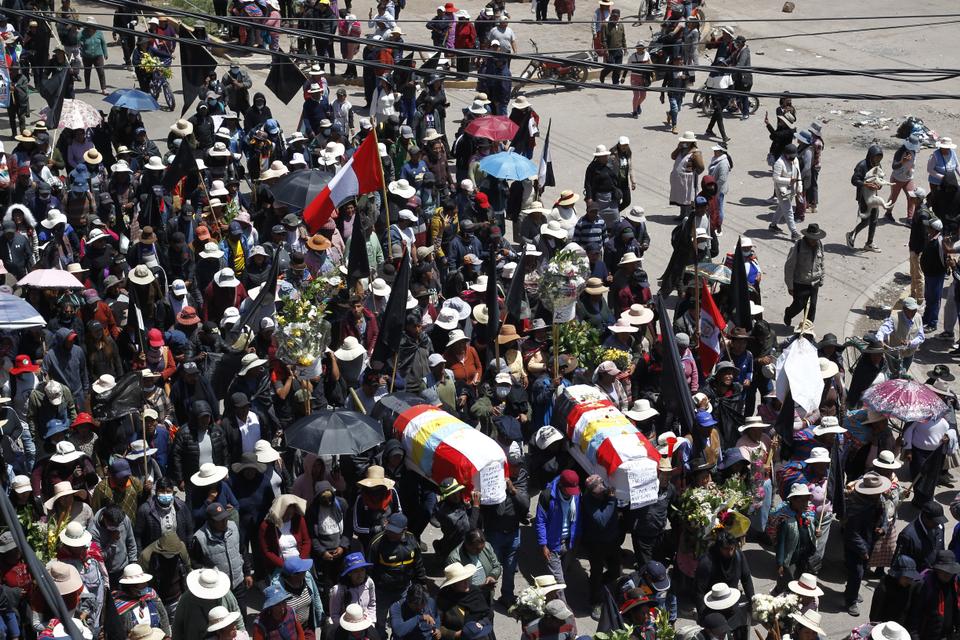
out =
column 362, row 173
column 711, row 324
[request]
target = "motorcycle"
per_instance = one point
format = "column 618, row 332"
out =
column 549, row 70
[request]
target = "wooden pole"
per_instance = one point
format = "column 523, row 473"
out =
column 393, row 378
column 696, row 278
column 556, row 351
column 356, row 401
column 386, row 205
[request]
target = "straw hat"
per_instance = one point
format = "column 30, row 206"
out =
column 811, row 620
column 886, row 460
column 60, row 490
column 208, row 474
column 595, row 287
column 350, row 350
column 547, row 584
column 376, row 478
column 354, row 619
column 134, row 574
column 480, row 314
column 65, row 577
column 806, row 585
column 508, row 333
column 637, row 315
column 567, row 198
column 721, row 596
column 828, row 368
column 208, row 584
column 181, row 128
column 629, row 258
column 456, row 572
column 145, row 632
column 752, row 422
column 92, row 156
column 220, row 617
column 872, row 484
column 141, row 274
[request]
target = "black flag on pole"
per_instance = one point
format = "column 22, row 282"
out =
column 682, row 257
column 285, row 78
column 516, row 293
column 783, row 426
column 196, row 63
column 184, row 164
column 545, row 175
column 358, row 261
column 675, row 396
column 263, row 305
column 738, row 305
column 52, row 90
column 394, row 316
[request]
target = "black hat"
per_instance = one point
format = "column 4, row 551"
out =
column 829, row 340
column 248, row 461
column 873, row 344
column 200, row 408
column 717, row 623
column 946, row 561
column 933, row 511
column 904, row 566
column 216, row 512
column 240, row 400
column 941, row 372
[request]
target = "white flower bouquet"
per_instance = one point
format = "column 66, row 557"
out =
column 529, row 605
column 769, row 610
column 563, row 281
column 304, row 331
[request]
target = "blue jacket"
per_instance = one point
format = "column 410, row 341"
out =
column 550, row 518
column 413, row 628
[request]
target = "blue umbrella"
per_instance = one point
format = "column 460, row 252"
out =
column 133, row 99
column 508, row 165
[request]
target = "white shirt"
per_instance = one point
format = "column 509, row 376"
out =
column 927, row 435
column 249, row 432
column 506, row 38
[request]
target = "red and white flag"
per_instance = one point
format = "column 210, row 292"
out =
column 361, row 174
column 711, row 324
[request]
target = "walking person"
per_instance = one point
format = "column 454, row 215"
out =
column 919, row 228
column 719, row 168
column 687, row 167
column 865, row 524
column 93, row 53
column 675, row 81
column 742, row 80
column 935, row 262
column 614, row 43
column 804, row 272
column 901, row 174
column 787, row 184
column 812, row 193
column 639, row 77
column 868, row 178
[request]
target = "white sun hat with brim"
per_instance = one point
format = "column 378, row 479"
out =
column 663, row 442
column 74, row 535
column 250, row 361
column 447, row 319
column 637, row 315
column 155, row 164
column 818, row 455
column 532, row 250
column 752, row 422
column 622, row 325
column 872, row 484
column 60, row 490
column 220, row 617
column 211, row 250
column 721, row 596
column 547, row 584
column 350, row 350
column 460, row 306
column 888, row 631
column 65, row 577
column 629, row 258
column 141, row 274
column 208, row 474
column 480, row 285
column 828, row 368
column 456, row 336
column 546, row 436
column 641, row 410
column 380, row 288
column 828, row 424
column 811, row 620
column 635, row 214
column 354, row 619
column 797, row 490
column 143, row 632
column 266, row 454
column 208, row 584
column 134, row 574
column 480, row 314
column 402, row 188
column 226, row 278
column 553, row 229
column 456, row 572
column 806, row 585
column 140, row 449
column 66, row 452
column 886, row 460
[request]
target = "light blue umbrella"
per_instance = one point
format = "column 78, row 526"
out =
column 508, row 165
column 132, row 99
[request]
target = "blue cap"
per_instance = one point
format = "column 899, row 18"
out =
column 296, row 564
column 274, row 595
column 705, row 419
column 354, row 561
column 271, row 126
column 55, row 426
column 701, row 201
column 120, row 468
column 656, row 575
column 397, row 523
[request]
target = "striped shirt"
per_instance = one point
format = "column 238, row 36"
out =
column 587, row 232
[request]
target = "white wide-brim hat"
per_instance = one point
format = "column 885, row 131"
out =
column 208, row 584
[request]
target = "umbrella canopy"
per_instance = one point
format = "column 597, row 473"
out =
column 712, row 272
column 494, row 128
column 298, row 189
column 907, row 400
column 508, row 165
column 50, row 279
column 334, row 433
column 17, row 313
column 133, row 99
column 77, row 114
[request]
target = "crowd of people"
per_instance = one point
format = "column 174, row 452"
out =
column 186, row 515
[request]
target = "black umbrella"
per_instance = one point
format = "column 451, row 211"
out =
column 298, row 189
column 334, row 433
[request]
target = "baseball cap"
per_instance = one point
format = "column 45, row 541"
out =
column 569, row 482
column 216, row 512
column 656, row 575
column 6, row 542
column 397, row 523
column 120, row 468
column 436, row 359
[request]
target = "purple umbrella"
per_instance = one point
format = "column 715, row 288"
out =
column 905, row 399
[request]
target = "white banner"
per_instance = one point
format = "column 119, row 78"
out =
column 798, row 370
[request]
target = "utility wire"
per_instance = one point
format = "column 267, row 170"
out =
column 479, row 76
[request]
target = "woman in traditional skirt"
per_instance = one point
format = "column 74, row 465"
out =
column 886, row 464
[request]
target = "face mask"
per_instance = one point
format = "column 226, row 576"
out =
column 165, row 499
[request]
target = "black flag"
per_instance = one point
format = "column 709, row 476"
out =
column 675, row 394
column 492, row 300
column 394, row 316
column 358, row 262
column 196, row 63
column 683, row 256
column 124, row 399
column 783, row 426
column 545, row 177
column 184, row 164
column 52, row 90
column 738, row 302
column 516, row 294
column 285, row 78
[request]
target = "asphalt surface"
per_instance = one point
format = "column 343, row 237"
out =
column 582, row 119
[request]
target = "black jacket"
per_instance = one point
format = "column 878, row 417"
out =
column 396, row 565
column 185, row 452
column 147, row 527
column 505, row 517
column 916, row 542
column 891, row 602
column 864, row 516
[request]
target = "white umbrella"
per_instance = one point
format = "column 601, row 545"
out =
column 50, row 279
column 77, row 114
column 17, row 313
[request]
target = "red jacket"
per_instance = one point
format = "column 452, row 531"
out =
column 270, row 540
column 349, row 328
column 466, row 36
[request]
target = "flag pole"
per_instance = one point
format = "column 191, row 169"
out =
column 386, row 202
column 696, row 278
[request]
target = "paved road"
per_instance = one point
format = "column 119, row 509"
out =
column 582, row 119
